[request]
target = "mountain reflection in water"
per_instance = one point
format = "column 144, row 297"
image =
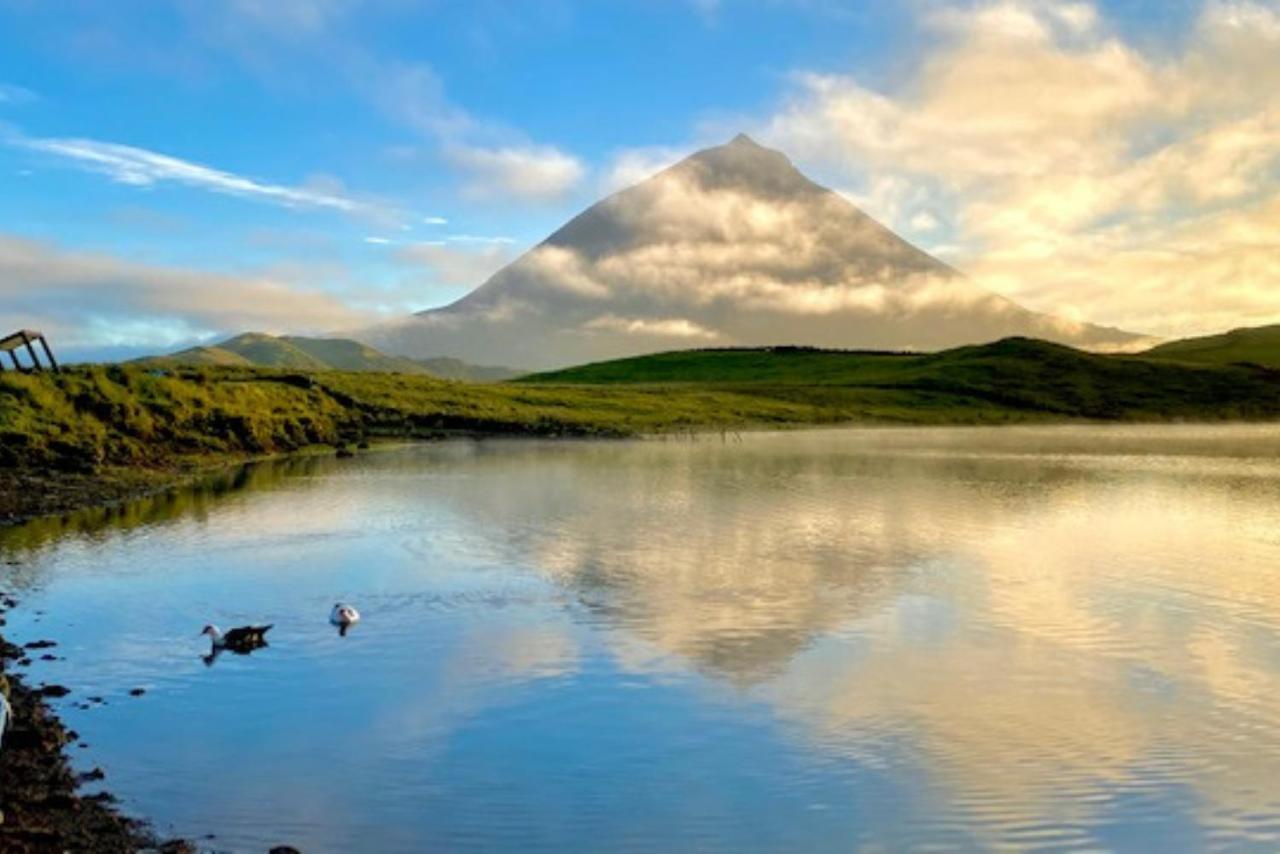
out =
column 1020, row 637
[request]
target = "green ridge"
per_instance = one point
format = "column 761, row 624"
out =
column 1259, row 345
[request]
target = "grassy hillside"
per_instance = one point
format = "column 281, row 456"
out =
column 1016, row 375
column 1258, row 345
column 131, row 416
column 320, row 354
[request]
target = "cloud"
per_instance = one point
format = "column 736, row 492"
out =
column 11, row 94
column 495, row 161
column 434, row 220
column 91, row 300
column 139, row 167
column 678, row 328
column 529, row 172
column 456, row 266
column 292, row 17
column 1079, row 169
column 633, row 165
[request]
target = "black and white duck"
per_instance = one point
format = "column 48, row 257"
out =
column 243, row 639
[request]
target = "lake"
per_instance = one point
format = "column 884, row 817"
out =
column 878, row 639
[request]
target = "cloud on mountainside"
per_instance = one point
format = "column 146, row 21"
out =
column 1080, row 172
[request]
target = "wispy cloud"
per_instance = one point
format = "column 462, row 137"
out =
column 458, row 265
column 11, row 94
column 92, row 300
column 434, row 220
column 139, row 167
column 496, row 161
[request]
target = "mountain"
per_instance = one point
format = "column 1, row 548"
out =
column 732, row 246
column 325, row 354
column 1259, row 345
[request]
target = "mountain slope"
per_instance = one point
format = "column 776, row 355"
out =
column 324, row 354
column 1259, row 345
column 731, row 246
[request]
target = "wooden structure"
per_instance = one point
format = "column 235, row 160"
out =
column 27, row 338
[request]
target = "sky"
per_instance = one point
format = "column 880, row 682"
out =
column 173, row 172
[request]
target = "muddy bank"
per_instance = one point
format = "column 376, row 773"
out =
column 28, row 494
column 43, row 810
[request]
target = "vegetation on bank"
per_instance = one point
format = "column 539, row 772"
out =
column 1258, row 345
column 88, row 418
column 1016, row 378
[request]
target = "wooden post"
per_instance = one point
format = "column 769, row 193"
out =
column 13, row 356
column 35, row 360
column 44, row 345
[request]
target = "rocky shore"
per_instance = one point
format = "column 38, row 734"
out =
column 43, row 809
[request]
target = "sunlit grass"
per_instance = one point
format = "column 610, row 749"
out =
column 89, row 417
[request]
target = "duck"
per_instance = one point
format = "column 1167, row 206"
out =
column 243, row 639
column 344, row 617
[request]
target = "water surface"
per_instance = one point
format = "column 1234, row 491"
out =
column 831, row 640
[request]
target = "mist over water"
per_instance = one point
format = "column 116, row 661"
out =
column 1019, row 637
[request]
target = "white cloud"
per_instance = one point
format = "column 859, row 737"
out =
column 434, row 220
column 530, row 172
column 1076, row 166
column 456, row 266
column 678, row 328
column 378, row 241
column 139, row 167
column 633, row 165
column 495, row 162
column 92, row 299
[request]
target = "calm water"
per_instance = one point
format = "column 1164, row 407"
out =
column 836, row 640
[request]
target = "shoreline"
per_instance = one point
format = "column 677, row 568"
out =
column 41, row 806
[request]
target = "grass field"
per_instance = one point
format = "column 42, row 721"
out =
column 88, row 418
column 1258, row 345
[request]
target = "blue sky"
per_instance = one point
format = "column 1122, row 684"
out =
column 302, row 165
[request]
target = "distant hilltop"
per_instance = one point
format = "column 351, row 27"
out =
column 257, row 349
column 732, row 246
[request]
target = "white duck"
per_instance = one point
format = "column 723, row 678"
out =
column 344, row 616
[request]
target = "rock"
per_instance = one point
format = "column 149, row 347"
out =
column 91, row 776
column 40, row 644
column 137, row 692
column 54, row 691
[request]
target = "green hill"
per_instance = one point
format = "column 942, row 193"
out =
column 1013, row 375
column 256, row 349
column 1259, row 345
column 130, row 420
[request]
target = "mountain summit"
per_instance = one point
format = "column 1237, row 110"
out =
column 731, row 246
